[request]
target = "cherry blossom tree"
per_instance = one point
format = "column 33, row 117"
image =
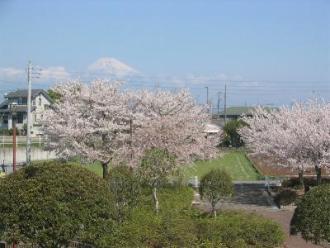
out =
column 172, row 121
column 89, row 121
column 298, row 135
column 101, row 122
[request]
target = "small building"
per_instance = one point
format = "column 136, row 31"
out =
column 233, row 113
column 40, row 102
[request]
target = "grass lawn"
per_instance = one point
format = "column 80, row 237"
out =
column 234, row 162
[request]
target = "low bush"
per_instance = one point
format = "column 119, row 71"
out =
column 51, row 204
column 237, row 229
column 311, row 217
column 285, row 197
column 178, row 225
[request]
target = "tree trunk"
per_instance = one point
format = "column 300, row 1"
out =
column 154, row 195
column 105, row 167
column 301, row 178
column 318, row 171
column 214, row 211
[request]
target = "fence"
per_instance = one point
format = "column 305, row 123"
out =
column 22, row 140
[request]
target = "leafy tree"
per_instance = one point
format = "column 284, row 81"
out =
column 51, row 204
column 156, row 165
column 215, row 185
column 311, row 217
column 125, row 189
column 232, row 137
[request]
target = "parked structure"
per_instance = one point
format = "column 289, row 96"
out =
column 40, row 102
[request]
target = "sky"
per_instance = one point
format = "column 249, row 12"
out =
column 268, row 52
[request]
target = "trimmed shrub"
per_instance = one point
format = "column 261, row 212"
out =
column 285, row 197
column 311, row 217
column 214, row 186
column 238, row 229
column 50, row 204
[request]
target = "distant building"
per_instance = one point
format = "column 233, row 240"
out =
column 40, row 102
column 233, row 113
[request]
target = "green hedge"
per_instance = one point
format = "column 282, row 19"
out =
column 179, row 225
column 51, row 204
column 312, row 215
column 238, row 229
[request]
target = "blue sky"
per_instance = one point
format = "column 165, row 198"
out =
column 255, row 40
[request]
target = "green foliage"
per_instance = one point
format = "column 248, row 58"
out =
column 312, row 218
column 216, row 185
column 125, row 189
column 50, row 204
column 285, row 197
column 232, row 137
column 171, row 227
column 238, row 229
column 156, row 165
column 308, row 182
column 178, row 225
column 55, row 96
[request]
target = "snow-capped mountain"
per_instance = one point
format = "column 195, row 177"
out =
column 112, row 66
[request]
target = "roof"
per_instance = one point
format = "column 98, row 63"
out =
column 212, row 128
column 238, row 111
column 4, row 103
column 24, row 93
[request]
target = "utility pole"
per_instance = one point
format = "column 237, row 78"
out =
column 29, row 121
column 225, row 103
column 219, row 100
column 207, row 97
column 3, row 149
column 131, row 137
column 12, row 108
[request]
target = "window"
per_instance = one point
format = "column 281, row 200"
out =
column 40, row 101
column 19, row 118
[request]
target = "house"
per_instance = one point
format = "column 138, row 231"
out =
column 40, row 101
